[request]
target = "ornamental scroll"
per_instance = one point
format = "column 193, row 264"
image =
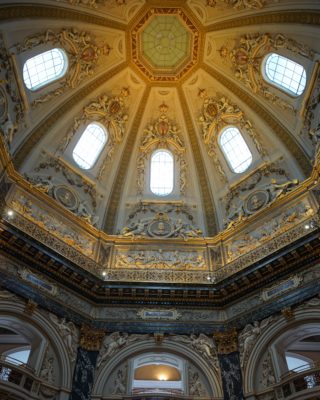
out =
column 246, row 61
column 161, row 133
column 216, row 114
column 83, row 56
column 237, row 4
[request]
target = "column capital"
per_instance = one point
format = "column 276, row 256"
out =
column 227, row 342
column 91, row 339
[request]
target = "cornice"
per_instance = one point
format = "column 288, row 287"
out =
column 201, row 171
column 115, row 197
column 268, row 118
column 277, row 17
column 18, row 11
column 21, row 154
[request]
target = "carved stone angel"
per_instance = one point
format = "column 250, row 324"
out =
column 249, row 336
column 202, row 344
column 69, row 333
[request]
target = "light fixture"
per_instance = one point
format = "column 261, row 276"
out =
column 104, row 273
column 162, row 377
column 10, row 213
column 211, row 279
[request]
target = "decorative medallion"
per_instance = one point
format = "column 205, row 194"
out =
column 256, row 201
column 160, row 226
column 66, row 197
column 165, row 44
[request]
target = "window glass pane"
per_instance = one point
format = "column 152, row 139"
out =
column 285, row 73
column 44, row 68
column 89, row 146
column 161, row 174
column 18, row 357
column 296, row 363
column 235, row 149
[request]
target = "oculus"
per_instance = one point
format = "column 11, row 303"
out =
column 165, row 44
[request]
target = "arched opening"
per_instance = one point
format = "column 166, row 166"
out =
column 235, row 149
column 90, row 145
column 44, row 68
column 161, row 172
column 286, row 74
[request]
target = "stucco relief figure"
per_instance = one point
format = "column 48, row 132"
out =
column 195, row 385
column 47, row 370
column 268, row 378
column 69, row 334
column 134, row 229
column 249, row 336
column 202, row 344
column 238, row 4
column 278, row 190
column 119, row 383
column 314, row 135
column 116, row 341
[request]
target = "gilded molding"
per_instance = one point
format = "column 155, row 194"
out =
column 112, row 210
column 278, row 17
column 211, row 221
column 91, row 339
column 227, row 342
column 13, row 12
column 272, row 121
column 36, row 135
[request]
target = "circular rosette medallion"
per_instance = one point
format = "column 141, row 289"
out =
column 66, row 197
column 256, row 201
column 160, row 229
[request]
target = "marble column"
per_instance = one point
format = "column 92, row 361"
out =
column 83, row 377
column 229, row 360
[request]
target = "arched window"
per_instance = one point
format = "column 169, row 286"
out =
column 44, row 68
column 235, row 149
column 285, row 73
column 161, row 173
column 296, row 362
column 90, row 145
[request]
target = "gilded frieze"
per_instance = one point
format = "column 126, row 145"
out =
column 51, row 224
column 268, row 230
column 161, row 259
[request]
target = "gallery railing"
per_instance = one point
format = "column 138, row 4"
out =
column 22, row 376
column 301, row 379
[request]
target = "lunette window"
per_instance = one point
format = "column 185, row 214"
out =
column 285, row 73
column 235, row 149
column 90, row 145
column 44, row 68
column 161, row 173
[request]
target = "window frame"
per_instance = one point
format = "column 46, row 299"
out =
column 153, row 153
column 51, row 80
column 221, row 147
column 106, row 133
column 275, row 84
